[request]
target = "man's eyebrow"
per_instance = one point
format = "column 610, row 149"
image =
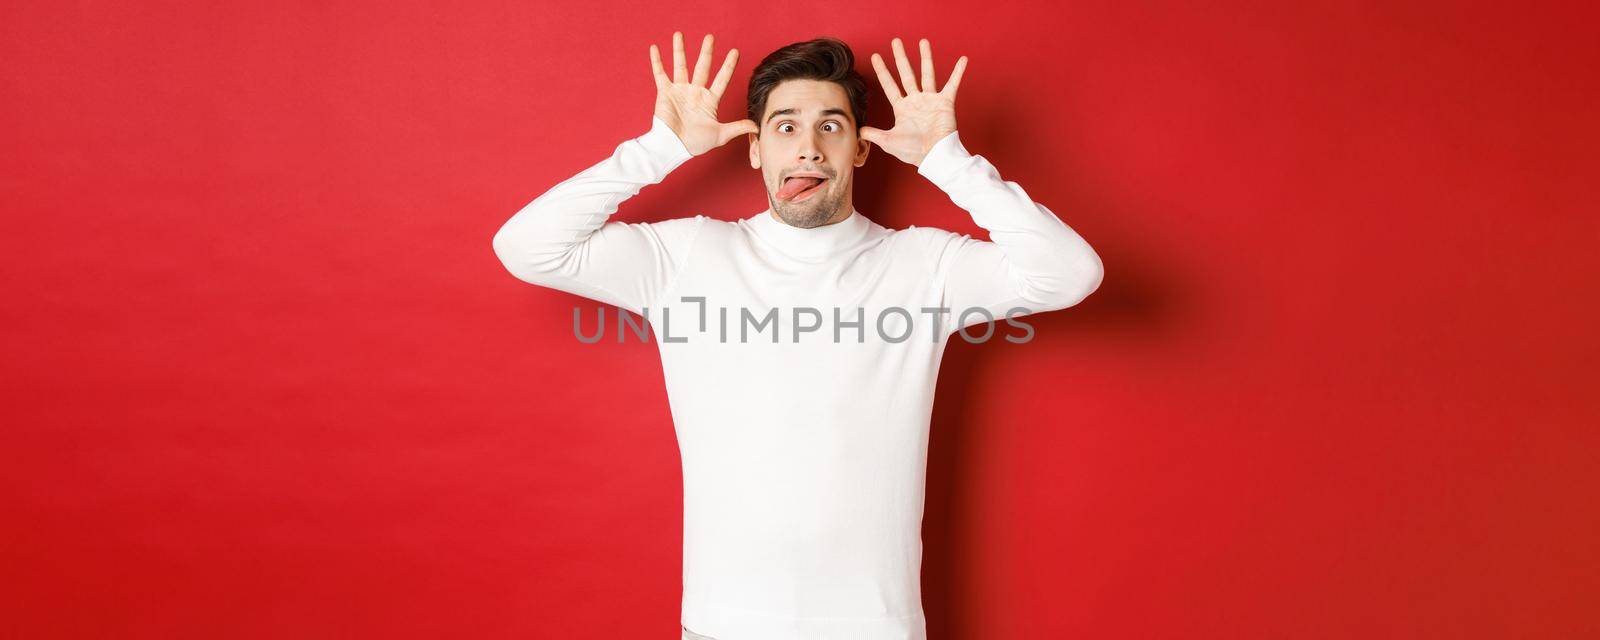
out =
column 792, row 111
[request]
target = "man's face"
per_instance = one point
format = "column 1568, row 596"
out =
column 808, row 129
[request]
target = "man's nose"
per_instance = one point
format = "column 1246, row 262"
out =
column 810, row 149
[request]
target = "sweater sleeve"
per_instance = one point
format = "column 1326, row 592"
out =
column 1034, row 263
column 562, row 239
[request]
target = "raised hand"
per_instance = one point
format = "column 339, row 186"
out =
column 688, row 106
column 922, row 115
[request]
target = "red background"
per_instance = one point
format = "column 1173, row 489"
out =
column 264, row 376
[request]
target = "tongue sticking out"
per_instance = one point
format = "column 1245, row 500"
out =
column 793, row 186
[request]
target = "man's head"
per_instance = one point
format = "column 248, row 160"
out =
column 810, row 104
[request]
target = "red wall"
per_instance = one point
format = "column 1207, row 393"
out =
column 265, row 378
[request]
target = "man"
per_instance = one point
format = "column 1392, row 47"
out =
column 804, row 443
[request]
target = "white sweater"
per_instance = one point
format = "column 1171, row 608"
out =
column 803, row 434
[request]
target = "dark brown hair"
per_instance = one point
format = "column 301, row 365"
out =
column 826, row 59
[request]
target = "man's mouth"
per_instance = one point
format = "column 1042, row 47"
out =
column 797, row 188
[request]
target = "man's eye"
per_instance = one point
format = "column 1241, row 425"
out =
column 829, row 123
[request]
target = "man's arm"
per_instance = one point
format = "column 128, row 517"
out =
column 563, row 240
column 1034, row 263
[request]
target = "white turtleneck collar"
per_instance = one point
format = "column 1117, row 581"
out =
column 814, row 242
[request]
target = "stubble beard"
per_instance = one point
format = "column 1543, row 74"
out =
column 812, row 212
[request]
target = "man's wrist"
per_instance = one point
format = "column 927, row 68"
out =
column 944, row 160
column 664, row 144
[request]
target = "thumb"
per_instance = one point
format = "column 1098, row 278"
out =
column 874, row 135
column 733, row 130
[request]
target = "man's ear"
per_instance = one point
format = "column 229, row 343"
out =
column 755, row 151
column 862, row 149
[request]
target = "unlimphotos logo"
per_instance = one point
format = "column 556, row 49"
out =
column 891, row 324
